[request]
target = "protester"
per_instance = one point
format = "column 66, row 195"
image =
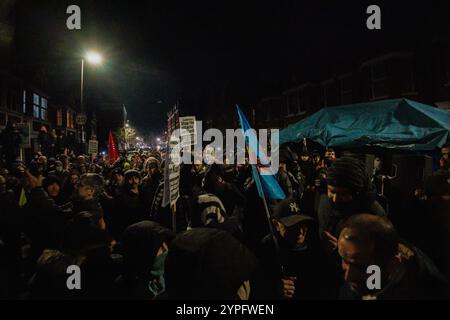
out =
column 293, row 262
column 208, row 264
column 129, row 205
column 52, row 185
column 405, row 272
column 145, row 248
column 349, row 192
column 112, row 220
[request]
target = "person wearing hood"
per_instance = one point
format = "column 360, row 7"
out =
column 349, row 192
column 59, row 172
column 85, row 235
column 52, row 185
column 209, row 264
column 145, row 247
column 297, row 269
column 404, row 271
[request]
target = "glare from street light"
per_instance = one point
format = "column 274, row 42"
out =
column 93, row 57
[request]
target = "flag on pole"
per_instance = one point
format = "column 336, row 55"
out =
column 265, row 183
column 113, row 154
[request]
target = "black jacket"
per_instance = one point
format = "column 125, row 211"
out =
column 207, row 263
column 419, row 279
column 331, row 219
column 129, row 208
column 316, row 277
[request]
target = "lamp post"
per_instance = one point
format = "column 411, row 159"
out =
column 95, row 59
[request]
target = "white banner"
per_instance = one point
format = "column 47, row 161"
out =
column 93, row 147
column 188, row 131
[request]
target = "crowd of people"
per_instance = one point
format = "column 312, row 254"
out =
column 62, row 209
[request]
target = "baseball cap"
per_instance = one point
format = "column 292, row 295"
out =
column 288, row 213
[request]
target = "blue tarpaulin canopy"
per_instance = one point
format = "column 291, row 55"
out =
column 399, row 124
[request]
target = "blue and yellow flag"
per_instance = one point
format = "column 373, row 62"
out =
column 266, row 183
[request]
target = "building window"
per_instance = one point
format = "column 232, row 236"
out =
column 378, row 80
column 24, row 101
column 43, row 108
column 39, row 107
column 59, row 121
column 346, row 90
column 36, row 106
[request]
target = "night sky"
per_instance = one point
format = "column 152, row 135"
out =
column 208, row 55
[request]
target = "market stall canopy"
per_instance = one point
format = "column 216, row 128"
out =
column 399, row 124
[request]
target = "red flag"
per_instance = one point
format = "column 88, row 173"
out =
column 112, row 149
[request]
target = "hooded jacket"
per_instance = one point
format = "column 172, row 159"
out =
column 140, row 244
column 207, row 263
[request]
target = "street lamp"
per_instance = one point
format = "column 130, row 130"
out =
column 93, row 58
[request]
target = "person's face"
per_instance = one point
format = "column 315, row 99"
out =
column 304, row 158
column 339, row 195
column 198, row 167
column 296, row 234
column 356, row 257
column 53, row 190
column 330, row 155
column 134, row 181
column 317, row 159
column 85, row 192
column 153, row 170
column 118, row 179
column 83, row 169
column 282, row 166
column 377, row 163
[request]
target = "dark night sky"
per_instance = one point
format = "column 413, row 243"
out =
column 208, row 54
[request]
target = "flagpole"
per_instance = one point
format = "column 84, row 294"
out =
column 259, row 186
column 269, row 221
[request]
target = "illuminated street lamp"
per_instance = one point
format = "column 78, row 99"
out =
column 93, row 58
